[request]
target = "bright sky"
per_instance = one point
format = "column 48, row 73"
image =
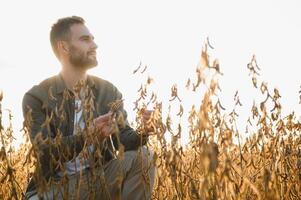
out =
column 167, row 36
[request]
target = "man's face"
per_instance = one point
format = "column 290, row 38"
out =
column 82, row 48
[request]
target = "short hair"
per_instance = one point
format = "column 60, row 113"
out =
column 60, row 31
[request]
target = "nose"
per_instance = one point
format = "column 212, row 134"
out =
column 94, row 45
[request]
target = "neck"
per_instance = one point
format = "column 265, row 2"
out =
column 72, row 75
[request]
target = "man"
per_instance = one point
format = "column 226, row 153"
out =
column 84, row 147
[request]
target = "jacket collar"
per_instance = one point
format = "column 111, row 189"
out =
column 61, row 86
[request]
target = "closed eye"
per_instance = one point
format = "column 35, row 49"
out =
column 86, row 38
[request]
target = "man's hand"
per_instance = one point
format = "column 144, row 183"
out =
column 105, row 124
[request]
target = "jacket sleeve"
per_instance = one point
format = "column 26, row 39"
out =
column 42, row 135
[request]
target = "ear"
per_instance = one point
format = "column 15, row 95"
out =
column 63, row 46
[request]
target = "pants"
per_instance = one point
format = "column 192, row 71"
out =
column 131, row 178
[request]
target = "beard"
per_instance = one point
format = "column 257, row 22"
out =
column 81, row 60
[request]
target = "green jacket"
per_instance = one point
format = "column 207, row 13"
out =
column 51, row 107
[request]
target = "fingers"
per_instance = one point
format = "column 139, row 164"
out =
column 107, row 130
column 103, row 118
column 105, row 124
